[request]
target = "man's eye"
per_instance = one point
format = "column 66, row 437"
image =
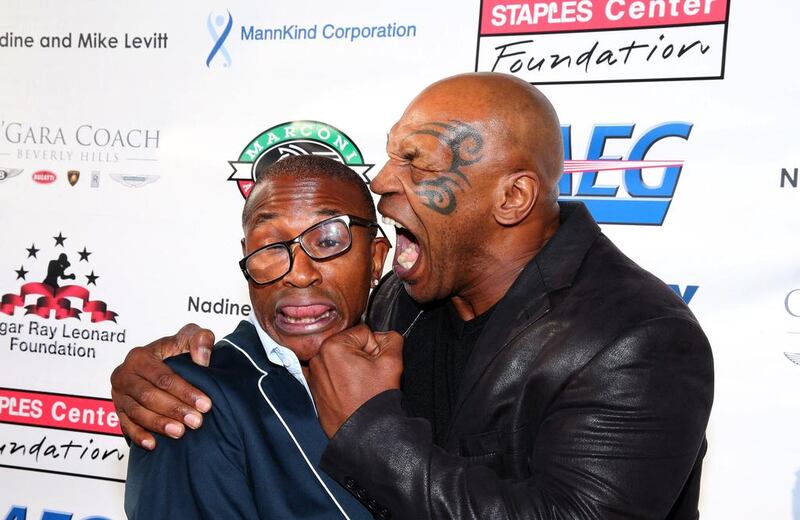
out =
column 328, row 243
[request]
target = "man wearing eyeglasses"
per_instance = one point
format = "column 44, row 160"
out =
column 311, row 253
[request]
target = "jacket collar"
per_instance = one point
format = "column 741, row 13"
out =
column 245, row 337
column 553, row 268
column 562, row 256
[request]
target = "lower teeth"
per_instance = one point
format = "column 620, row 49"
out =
column 408, row 257
column 307, row 320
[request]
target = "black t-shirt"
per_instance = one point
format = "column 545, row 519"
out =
column 436, row 351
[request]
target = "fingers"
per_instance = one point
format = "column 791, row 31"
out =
column 142, row 421
column 153, row 397
column 357, row 338
column 163, row 391
column 137, row 435
column 157, row 411
column 201, row 343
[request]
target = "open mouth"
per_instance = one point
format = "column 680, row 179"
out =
column 407, row 251
column 304, row 319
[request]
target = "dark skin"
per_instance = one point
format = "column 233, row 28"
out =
column 279, row 209
column 472, row 172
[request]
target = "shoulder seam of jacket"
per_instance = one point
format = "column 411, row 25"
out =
column 286, row 426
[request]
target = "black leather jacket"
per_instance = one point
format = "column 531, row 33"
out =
column 586, row 396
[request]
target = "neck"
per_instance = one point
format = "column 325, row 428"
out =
column 498, row 272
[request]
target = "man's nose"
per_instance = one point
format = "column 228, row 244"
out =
column 386, row 181
column 305, row 270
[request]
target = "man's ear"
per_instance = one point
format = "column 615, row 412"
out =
column 244, row 249
column 380, row 248
column 515, row 197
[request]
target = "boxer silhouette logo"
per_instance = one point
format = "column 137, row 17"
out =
column 49, row 298
column 56, row 270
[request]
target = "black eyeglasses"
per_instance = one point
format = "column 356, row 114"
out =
column 323, row 240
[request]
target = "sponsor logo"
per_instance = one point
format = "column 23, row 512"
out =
column 290, row 139
column 86, row 40
column 134, row 181
column 617, row 189
column 7, row 173
column 59, row 411
column 57, row 313
column 792, row 305
column 84, row 143
column 73, row 176
column 222, row 32
column 44, row 177
column 219, row 28
column 592, row 41
column 686, row 293
column 788, row 178
column 95, row 182
column 328, row 31
column 68, row 435
column 219, row 306
column 21, row 513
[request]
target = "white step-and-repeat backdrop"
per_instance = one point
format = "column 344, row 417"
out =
column 126, row 145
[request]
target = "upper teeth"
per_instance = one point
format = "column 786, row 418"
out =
column 391, row 222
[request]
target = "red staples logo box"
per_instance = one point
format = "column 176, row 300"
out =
column 60, row 411
column 67, row 435
column 594, row 41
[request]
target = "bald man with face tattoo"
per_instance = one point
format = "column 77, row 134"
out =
column 545, row 374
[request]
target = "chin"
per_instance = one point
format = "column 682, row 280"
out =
column 304, row 347
column 420, row 292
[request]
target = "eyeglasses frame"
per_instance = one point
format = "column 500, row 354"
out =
column 349, row 220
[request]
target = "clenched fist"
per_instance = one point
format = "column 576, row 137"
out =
column 351, row 368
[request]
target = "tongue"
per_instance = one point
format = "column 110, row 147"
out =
column 305, row 311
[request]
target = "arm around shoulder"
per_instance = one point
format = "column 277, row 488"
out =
column 201, row 475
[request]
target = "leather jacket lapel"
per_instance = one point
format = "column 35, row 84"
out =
column 524, row 304
column 528, row 299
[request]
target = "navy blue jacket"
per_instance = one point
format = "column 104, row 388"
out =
column 256, row 456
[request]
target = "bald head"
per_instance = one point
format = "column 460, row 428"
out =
column 471, row 181
column 514, row 114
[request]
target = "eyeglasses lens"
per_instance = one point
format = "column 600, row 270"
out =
column 319, row 242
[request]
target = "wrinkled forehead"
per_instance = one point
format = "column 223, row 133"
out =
column 446, row 110
column 301, row 199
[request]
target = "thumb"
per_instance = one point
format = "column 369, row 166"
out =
column 190, row 338
column 201, row 343
column 389, row 344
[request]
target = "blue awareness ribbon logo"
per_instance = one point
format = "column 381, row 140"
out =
column 219, row 39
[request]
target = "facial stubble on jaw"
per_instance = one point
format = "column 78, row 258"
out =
column 465, row 143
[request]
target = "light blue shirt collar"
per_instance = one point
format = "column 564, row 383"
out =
column 281, row 355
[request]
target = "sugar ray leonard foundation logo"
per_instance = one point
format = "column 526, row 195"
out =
column 634, row 190
column 291, row 139
column 219, row 28
column 49, row 298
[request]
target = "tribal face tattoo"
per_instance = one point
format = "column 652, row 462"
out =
column 429, row 169
column 465, row 143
